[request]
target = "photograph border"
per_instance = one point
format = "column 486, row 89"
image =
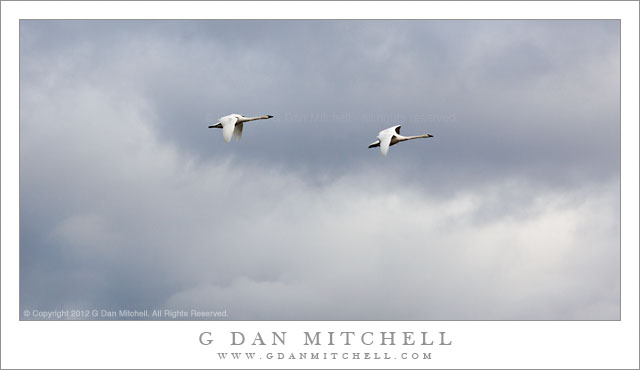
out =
column 478, row 344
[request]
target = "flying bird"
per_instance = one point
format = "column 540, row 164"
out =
column 391, row 136
column 231, row 125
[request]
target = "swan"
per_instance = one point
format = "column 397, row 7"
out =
column 231, row 125
column 391, row 136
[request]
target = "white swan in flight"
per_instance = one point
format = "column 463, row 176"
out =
column 391, row 136
column 231, row 125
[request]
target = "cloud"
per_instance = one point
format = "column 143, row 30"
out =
column 128, row 201
column 405, row 254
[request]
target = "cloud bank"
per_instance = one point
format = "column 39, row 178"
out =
column 511, row 212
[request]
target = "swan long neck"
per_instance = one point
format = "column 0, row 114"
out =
column 403, row 138
column 246, row 119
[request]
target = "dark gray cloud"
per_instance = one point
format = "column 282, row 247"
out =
column 128, row 200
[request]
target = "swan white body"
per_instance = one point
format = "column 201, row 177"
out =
column 231, row 125
column 391, row 136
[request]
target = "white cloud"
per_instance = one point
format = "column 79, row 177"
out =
column 348, row 252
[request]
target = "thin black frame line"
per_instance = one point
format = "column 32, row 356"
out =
column 343, row 320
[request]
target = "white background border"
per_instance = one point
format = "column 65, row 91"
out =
column 476, row 344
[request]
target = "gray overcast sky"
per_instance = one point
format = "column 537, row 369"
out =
column 128, row 200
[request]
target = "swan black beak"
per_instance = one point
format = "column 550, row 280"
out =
column 269, row 116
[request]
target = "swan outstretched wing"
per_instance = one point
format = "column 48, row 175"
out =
column 385, row 137
column 228, row 127
column 385, row 141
